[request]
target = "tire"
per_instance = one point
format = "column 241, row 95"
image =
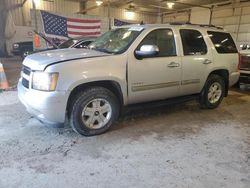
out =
column 211, row 97
column 94, row 111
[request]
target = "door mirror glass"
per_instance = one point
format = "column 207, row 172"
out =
column 147, row 51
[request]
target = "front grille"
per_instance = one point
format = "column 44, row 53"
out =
column 25, row 83
column 26, row 76
column 26, row 70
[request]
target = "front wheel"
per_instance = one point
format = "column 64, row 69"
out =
column 213, row 92
column 94, row 111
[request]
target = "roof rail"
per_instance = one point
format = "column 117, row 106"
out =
column 201, row 25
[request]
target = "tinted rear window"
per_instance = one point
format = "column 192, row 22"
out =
column 223, row 42
column 193, row 42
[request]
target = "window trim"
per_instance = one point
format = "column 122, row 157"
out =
column 183, row 45
column 162, row 55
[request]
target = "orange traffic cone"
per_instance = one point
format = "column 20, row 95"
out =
column 3, row 81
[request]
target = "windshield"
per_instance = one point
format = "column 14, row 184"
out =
column 116, row 41
column 67, row 43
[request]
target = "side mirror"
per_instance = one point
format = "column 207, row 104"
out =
column 147, row 51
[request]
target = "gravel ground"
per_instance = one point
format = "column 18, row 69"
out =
column 170, row 146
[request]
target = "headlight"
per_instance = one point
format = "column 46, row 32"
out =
column 44, row 81
column 15, row 45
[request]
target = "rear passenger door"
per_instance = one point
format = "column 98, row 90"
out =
column 195, row 61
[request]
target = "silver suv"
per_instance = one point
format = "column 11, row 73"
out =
column 128, row 65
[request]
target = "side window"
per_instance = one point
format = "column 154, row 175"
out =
column 163, row 39
column 223, row 42
column 193, row 42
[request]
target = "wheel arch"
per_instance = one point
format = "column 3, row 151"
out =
column 111, row 85
column 224, row 73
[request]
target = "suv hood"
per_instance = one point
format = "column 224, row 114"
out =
column 39, row 61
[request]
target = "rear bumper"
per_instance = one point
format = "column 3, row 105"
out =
column 234, row 78
column 245, row 77
column 48, row 107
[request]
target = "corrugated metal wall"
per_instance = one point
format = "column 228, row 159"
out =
column 18, row 13
column 178, row 17
column 120, row 14
column 138, row 17
column 236, row 21
column 21, row 16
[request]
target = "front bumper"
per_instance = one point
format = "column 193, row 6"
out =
column 233, row 78
column 48, row 107
column 16, row 52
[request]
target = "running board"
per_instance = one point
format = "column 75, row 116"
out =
column 161, row 103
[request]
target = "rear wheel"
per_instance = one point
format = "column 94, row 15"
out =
column 94, row 111
column 213, row 92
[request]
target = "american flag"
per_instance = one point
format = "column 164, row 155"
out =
column 62, row 27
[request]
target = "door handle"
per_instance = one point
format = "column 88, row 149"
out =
column 173, row 64
column 207, row 61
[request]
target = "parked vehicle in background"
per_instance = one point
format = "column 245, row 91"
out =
column 128, row 65
column 26, row 48
column 245, row 47
column 244, row 67
column 79, row 42
column 22, row 48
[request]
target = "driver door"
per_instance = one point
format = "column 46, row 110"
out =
column 157, row 77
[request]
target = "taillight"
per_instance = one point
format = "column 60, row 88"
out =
column 244, row 61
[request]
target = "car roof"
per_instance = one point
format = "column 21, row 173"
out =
column 176, row 25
